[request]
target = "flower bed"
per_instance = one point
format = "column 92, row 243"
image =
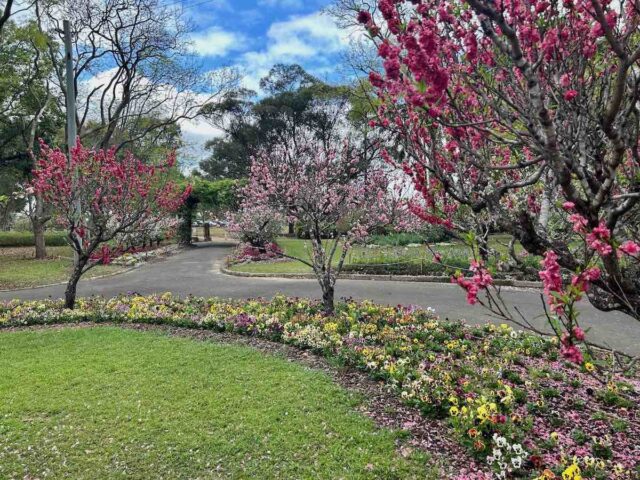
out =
column 245, row 252
column 521, row 411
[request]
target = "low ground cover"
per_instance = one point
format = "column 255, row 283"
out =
column 520, row 410
column 19, row 268
column 108, row 403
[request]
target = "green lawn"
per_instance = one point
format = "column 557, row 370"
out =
column 19, row 269
column 454, row 253
column 110, row 403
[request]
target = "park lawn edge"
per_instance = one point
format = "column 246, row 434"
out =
column 353, row 392
column 413, row 431
column 452, row 348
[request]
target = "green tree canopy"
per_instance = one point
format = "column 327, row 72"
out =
column 295, row 100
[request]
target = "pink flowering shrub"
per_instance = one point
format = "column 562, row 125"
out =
column 249, row 253
column 101, row 199
column 255, row 224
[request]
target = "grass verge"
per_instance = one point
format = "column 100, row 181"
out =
column 18, row 268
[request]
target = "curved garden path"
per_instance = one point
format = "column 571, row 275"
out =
column 197, row 271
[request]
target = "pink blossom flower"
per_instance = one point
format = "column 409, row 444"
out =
column 578, row 334
column 565, row 80
column 629, row 247
column 572, row 353
column 551, row 279
column 598, row 239
column 480, row 280
column 570, row 95
column 579, row 222
column 568, row 206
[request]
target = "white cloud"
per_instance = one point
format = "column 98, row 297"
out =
column 316, row 29
column 216, row 42
column 281, row 3
column 311, row 39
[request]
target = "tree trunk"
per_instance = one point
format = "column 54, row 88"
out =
column 328, row 292
column 187, row 212
column 38, row 222
column 291, row 229
column 72, row 285
column 38, row 233
column 185, row 229
column 483, row 248
column 545, row 210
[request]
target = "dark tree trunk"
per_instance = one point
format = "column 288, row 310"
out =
column 72, row 285
column 328, row 292
column 38, row 234
column 291, row 229
column 187, row 213
column 483, row 249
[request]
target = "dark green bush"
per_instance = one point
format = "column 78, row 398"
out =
column 432, row 234
column 26, row 239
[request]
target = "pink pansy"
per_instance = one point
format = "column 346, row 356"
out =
column 568, row 205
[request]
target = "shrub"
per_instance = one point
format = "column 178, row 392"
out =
column 26, row 239
column 256, row 225
column 432, row 234
column 245, row 252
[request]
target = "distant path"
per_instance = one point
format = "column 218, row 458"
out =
column 197, row 271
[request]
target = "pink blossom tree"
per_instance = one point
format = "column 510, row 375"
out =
column 258, row 225
column 520, row 115
column 101, row 199
column 333, row 192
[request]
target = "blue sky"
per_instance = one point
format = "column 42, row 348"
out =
column 255, row 34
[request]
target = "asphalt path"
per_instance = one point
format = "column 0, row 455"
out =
column 197, row 271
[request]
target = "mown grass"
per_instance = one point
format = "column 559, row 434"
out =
column 109, row 403
column 455, row 254
column 18, row 268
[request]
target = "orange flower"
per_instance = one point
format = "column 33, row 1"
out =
column 478, row 445
column 473, row 432
column 548, row 474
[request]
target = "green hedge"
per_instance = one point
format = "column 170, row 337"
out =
column 401, row 239
column 26, row 239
